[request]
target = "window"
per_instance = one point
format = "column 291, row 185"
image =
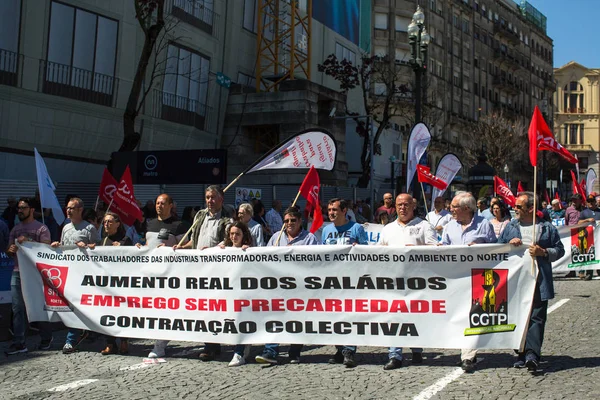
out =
column 185, row 87
column 381, row 21
column 573, row 133
column 403, row 55
column 10, row 18
column 465, row 26
column 195, row 12
column 380, row 51
column 82, row 50
column 456, row 79
column 344, row 53
column 250, row 21
column 402, row 23
column 483, row 92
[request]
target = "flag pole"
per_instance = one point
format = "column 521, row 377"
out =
column 110, row 204
column 534, row 215
column 234, row 181
column 283, row 226
column 424, row 199
column 96, row 206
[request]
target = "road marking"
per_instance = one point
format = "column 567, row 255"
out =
column 72, row 385
column 438, row 386
column 556, row 305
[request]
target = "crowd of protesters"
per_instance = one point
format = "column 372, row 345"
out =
column 460, row 220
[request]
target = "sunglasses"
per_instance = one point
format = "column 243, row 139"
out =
column 291, row 220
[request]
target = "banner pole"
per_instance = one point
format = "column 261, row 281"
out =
column 234, row 181
column 534, row 215
column 424, row 199
column 96, row 206
column 283, row 226
column 111, row 201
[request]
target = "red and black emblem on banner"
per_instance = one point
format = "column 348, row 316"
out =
column 489, row 300
column 583, row 249
column 55, row 279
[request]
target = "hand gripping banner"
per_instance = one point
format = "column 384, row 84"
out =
column 363, row 295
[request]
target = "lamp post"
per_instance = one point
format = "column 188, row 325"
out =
column 505, row 172
column 418, row 39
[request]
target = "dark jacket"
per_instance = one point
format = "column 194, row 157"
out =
column 548, row 239
column 199, row 220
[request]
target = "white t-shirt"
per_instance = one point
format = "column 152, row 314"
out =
column 440, row 219
column 416, row 232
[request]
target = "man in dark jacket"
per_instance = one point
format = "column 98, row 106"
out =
column 546, row 248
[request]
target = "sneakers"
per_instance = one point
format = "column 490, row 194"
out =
column 158, row 351
column 349, row 359
column 294, row 359
column 124, row 346
column 110, row 349
column 266, row 358
column 16, row 348
column 520, row 363
column 417, row 358
column 393, row 363
column 531, row 362
column 207, row 356
column 467, row 365
column 68, row 349
column 236, row 361
column 46, row 343
column 338, row 358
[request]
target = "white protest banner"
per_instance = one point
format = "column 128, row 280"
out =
column 372, row 230
column 580, row 247
column 446, row 170
column 417, row 144
column 346, row 295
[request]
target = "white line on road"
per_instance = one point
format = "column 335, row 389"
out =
column 556, row 305
column 438, row 386
column 72, row 385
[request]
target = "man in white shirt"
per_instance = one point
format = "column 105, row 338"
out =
column 439, row 216
column 407, row 230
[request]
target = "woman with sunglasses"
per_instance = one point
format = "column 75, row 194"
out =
column 114, row 235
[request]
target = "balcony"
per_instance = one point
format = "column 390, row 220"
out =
column 502, row 30
column 509, row 58
column 574, row 110
column 181, row 110
column 78, row 84
column 506, row 84
column 10, row 67
column 550, row 84
column 465, row 4
column 195, row 13
column 579, row 147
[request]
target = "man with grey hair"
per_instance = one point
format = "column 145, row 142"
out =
column 546, row 249
column 245, row 213
column 208, row 230
column 467, row 228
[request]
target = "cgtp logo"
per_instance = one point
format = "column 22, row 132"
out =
column 54, row 279
column 583, row 249
column 489, row 302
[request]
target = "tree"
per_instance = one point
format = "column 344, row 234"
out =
column 504, row 140
column 385, row 93
column 150, row 16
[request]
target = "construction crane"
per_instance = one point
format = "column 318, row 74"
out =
column 283, row 42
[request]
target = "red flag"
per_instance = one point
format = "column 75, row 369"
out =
column 547, row 198
column 502, row 189
column 583, row 187
column 108, row 186
column 125, row 199
column 520, row 188
column 541, row 138
column 310, row 191
column 557, row 197
column 425, row 176
column 576, row 187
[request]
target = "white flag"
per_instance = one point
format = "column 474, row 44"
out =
column 309, row 148
column 46, row 188
column 446, row 170
column 417, row 143
column 590, row 179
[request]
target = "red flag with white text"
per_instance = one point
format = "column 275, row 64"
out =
column 576, row 188
column 541, row 138
column 425, row 176
column 124, row 198
column 310, row 191
column 502, row 190
column 108, row 186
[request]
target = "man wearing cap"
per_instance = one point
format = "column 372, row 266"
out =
column 573, row 212
column 591, row 214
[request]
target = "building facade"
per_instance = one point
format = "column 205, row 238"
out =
column 577, row 114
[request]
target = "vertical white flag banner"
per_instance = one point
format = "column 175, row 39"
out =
column 46, row 188
column 577, row 167
column 417, row 143
column 590, row 180
column 446, row 170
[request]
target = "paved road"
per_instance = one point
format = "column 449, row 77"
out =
column 570, row 369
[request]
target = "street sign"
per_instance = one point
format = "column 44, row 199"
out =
column 223, row 80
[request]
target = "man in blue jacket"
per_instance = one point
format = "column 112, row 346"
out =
column 546, row 249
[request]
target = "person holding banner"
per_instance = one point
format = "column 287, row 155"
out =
column 343, row 232
column 501, row 217
column 546, row 249
column 114, row 235
column 27, row 230
column 78, row 232
column 467, row 228
column 294, row 235
column 574, row 211
column 557, row 212
column 408, row 230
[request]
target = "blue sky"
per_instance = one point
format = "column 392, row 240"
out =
column 573, row 25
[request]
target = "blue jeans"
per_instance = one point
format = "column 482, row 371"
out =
column 396, row 352
column 73, row 336
column 18, row 309
column 272, row 350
